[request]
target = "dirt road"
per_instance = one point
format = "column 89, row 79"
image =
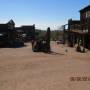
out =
column 22, row 69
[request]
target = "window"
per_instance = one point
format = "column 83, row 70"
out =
column 88, row 14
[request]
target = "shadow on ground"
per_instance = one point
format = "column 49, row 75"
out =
column 13, row 46
column 54, row 53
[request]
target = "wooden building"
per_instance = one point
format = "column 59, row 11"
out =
column 6, row 32
column 79, row 30
column 85, row 19
column 73, row 26
column 85, row 25
column 9, row 36
column 29, row 32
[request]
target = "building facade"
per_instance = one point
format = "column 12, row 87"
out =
column 79, row 30
column 29, row 32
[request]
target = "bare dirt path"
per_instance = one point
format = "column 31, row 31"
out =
column 22, row 69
